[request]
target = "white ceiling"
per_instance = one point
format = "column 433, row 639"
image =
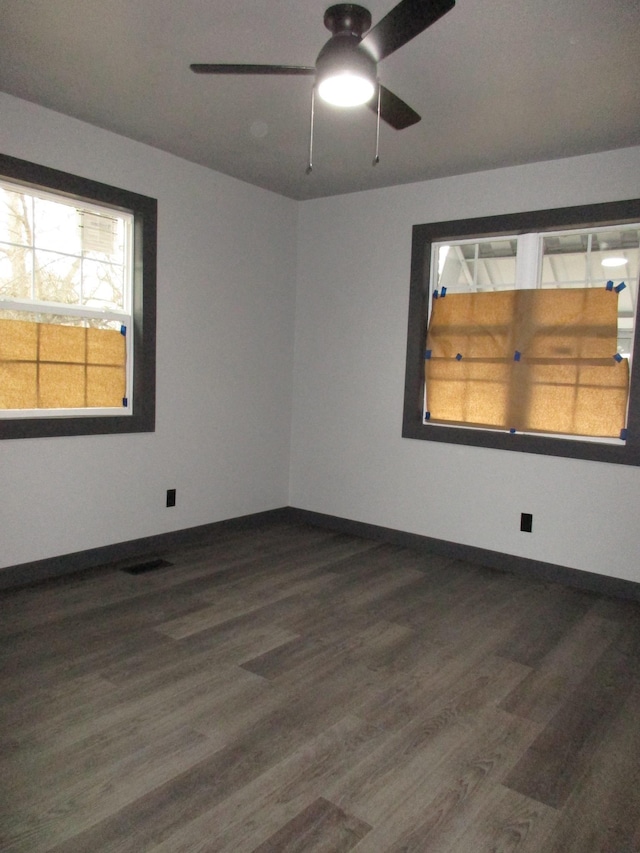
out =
column 497, row 82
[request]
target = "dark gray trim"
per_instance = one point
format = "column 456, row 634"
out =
column 145, row 212
column 40, row 570
column 151, row 546
column 602, row 584
column 588, row 216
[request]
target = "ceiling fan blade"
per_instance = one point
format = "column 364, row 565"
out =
column 393, row 110
column 405, row 21
column 203, row 68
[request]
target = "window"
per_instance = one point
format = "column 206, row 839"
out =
column 77, row 305
column 530, row 348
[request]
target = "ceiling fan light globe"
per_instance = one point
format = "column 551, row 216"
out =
column 346, row 89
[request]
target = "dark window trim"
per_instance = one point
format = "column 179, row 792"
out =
column 588, row 216
column 144, row 209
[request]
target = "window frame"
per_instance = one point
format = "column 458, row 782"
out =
column 141, row 418
column 495, row 227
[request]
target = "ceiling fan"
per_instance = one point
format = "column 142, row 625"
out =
column 346, row 67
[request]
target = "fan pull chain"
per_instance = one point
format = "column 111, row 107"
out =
column 313, row 112
column 376, row 159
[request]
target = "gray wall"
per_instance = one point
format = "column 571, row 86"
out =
column 245, row 425
column 348, row 458
column 226, row 279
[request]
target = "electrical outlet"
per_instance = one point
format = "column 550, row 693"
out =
column 526, row 522
column 171, row 497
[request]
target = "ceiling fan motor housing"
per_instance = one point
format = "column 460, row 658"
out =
column 342, row 53
column 347, row 18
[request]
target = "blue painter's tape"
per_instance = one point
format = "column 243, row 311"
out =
column 620, row 287
column 427, row 416
column 516, row 355
column 623, row 434
column 458, row 357
column 123, row 330
column 609, row 285
column 617, row 357
column 427, row 354
column 443, row 292
column 125, row 402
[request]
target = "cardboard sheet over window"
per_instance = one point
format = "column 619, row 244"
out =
column 51, row 366
column 529, row 360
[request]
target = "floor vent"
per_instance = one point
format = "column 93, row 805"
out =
column 146, row 566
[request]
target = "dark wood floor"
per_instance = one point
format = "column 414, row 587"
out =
column 292, row 689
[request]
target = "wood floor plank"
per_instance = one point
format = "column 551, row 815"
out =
column 603, row 810
column 270, row 573
column 248, row 817
column 106, row 633
column 507, row 822
column 370, row 646
column 543, row 692
column 550, row 614
column 231, row 556
column 72, row 795
column 184, row 699
column 469, row 603
column 291, row 688
column 433, row 800
column 153, row 665
column 267, row 741
column 557, row 761
column 154, row 816
column 231, row 607
column 321, row 828
column 441, row 679
column 382, row 782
